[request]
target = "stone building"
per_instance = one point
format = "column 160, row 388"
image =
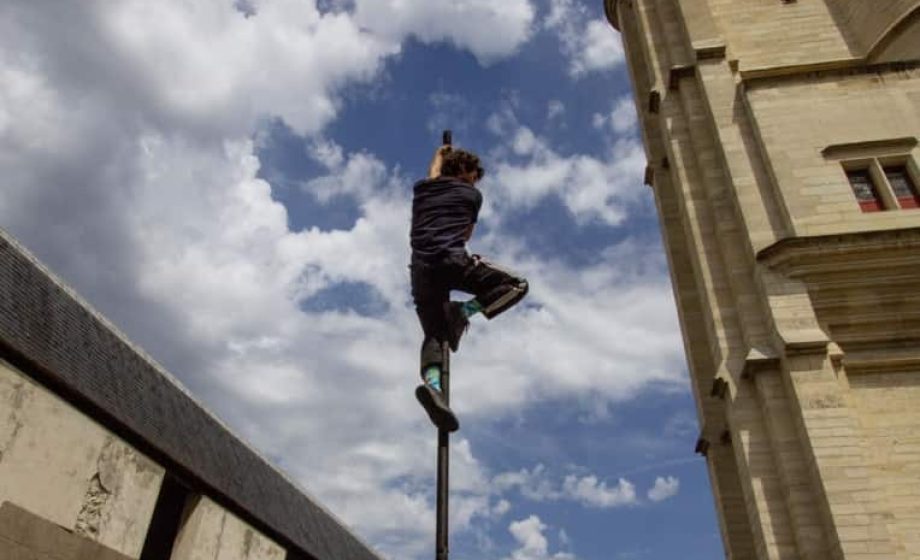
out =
column 782, row 141
column 103, row 456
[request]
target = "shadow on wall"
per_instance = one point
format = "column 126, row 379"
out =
column 880, row 30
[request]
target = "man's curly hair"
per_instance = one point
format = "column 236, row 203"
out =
column 460, row 162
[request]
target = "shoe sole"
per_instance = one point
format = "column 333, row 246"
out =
column 441, row 417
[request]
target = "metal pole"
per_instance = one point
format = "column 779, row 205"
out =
column 441, row 541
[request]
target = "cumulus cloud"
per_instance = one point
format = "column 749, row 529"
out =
column 489, row 29
column 501, row 508
column 594, row 189
column 536, row 484
column 591, row 45
column 533, row 484
column 532, row 543
column 590, row 491
column 622, row 119
column 663, row 489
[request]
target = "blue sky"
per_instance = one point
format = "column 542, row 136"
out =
column 229, row 182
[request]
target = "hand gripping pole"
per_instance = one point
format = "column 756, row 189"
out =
column 441, row 539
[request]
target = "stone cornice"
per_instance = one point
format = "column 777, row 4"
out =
column 879, row 358
column 851, row 66
column 795, row 256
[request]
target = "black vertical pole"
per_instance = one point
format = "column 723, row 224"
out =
column 441, row 542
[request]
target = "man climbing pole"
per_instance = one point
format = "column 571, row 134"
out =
column 445, row 208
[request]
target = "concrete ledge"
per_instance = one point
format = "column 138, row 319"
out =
column 797, row 256
column 850, row 67
column 26, row 536
column 48, row 332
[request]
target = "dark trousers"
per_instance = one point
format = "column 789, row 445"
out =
column 496, row 290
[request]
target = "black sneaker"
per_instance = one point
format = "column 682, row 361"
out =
column 440, row 414
column 457, row 323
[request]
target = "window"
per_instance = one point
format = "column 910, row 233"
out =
column 903, row 187
column 883, row 174
column 865, row 190
column 884, row 183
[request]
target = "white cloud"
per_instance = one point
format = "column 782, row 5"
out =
column 359, row 175
column 489, row 29
column 663, row 489
column 564, row 537
column 537, row 485
column 533, row 484
column 594, row 189
column 532, row 544
column 622, row 119
column 555, row 109
column 501, row 508
column 589, row 491
column 590, row 44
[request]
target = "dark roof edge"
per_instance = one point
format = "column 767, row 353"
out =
column 50, row 333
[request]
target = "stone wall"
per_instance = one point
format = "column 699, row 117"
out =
column 865, row 23
column 770, row 33
column 797, row 120
column 800, row 311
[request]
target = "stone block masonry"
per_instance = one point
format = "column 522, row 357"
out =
column 799, row 301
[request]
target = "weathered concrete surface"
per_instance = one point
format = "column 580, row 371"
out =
column 26, row 536
column 210, row 533
column 66, row 468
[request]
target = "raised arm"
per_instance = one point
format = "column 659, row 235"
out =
column 434, row 170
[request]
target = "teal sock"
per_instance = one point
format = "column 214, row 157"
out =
column 471, row 308
column 433, row 377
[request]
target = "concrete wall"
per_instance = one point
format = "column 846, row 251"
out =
column 26, row 536
column 62, row 466
column 60, row 469
column 211, row 533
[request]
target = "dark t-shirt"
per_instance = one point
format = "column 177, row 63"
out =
column 442, row 210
